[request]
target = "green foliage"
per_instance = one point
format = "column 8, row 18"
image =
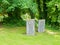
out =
column 52, row 11
column 14, row 8
column 9, row 5
column 14, row 22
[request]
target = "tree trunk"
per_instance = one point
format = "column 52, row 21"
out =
column 44, row 10
column 17, row 13
column 31, row 13
column 39, row 8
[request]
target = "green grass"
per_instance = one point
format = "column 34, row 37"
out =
column 17, row 36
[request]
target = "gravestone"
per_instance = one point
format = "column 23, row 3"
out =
column 30, row 27
column 41, row 25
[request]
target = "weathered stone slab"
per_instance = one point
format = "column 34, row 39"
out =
column 41, row 26
column 30, row 27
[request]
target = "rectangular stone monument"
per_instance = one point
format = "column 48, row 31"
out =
column 41, row 25
column 30, row 27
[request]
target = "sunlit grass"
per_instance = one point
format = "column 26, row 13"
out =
column 17, row 36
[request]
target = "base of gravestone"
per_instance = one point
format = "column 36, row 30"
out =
column 41, row 25
column 30, row 27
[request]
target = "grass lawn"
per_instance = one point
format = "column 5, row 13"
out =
column 17, row 36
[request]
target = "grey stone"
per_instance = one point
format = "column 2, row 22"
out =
column 41, row 26
column 30, row 27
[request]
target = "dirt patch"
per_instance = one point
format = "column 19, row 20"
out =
column 51, row 32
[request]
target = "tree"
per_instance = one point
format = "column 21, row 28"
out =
column 39, row 8
column 44, row 9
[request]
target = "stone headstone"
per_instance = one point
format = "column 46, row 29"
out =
column 41, row 26
column 30, row 27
